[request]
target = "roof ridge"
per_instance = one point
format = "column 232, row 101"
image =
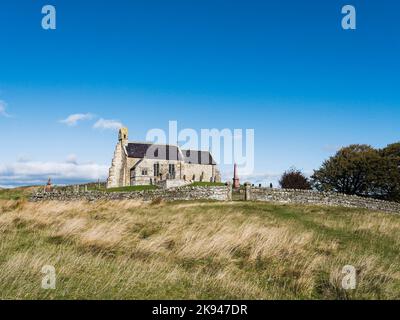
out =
column 156, row 144
column 167, row 144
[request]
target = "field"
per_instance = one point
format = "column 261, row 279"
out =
column 196, row 250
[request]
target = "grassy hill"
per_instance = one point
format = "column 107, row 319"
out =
column 18, row 193
column 196, row 250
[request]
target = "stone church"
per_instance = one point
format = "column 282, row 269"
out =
column 142, row 163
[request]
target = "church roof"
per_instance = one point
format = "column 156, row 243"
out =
column 167, row 152
column 153, row 151
column 198, row 157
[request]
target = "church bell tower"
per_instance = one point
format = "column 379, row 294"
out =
column 123, row 136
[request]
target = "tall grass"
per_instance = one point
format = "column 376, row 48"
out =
column 196, row 250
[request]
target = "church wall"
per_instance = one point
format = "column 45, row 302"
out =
column 116, row 177
column 130, row 163
column 197, row 170
column 184, row 171
column 148, row 165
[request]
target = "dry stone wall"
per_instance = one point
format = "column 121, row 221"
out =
column 224, row 193
column 184, row 193
column 321, row 198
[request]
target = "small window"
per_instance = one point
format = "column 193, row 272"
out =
column 156, row 169
column 144, row 172
column 171, row 171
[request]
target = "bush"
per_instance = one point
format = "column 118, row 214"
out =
column 294, row 179
column 362, row 170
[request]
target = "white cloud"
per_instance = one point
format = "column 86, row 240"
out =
column 37, row 173
column 72, row 158
column 23, row 158
column 73, row 119
column 104, row 124
column 3, row 107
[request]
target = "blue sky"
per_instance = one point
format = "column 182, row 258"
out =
column 283, row 68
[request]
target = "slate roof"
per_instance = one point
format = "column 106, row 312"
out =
column 153, row 151
column 167, row 152
column 198, row 157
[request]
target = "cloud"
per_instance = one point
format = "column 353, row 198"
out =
column 3, row 107
column 37, row 173
column 73, row 119
column 104, row 124
column 23, row 158
column 72, row 158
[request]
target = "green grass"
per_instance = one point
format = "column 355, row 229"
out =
column 207, row 184
column 10, row 194
column 132, row 188
column 196, row 250
column 96, row 187
column 15, row 194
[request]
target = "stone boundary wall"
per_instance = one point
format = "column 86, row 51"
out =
column 224, row 193
column 220, row 193
column 320, row 198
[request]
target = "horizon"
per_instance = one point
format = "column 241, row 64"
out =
column 286, row 70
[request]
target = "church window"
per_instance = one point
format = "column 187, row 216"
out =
column 171, row 171
column 156, row 169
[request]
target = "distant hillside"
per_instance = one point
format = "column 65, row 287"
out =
column 18, row 193
column 196, row 250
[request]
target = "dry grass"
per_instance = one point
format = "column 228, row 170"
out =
column 196, row 250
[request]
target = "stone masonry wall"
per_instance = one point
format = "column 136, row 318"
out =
column 115, row 176
column 184, row 193
column 321, row 198
column 192, row 170
column 224, row 193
